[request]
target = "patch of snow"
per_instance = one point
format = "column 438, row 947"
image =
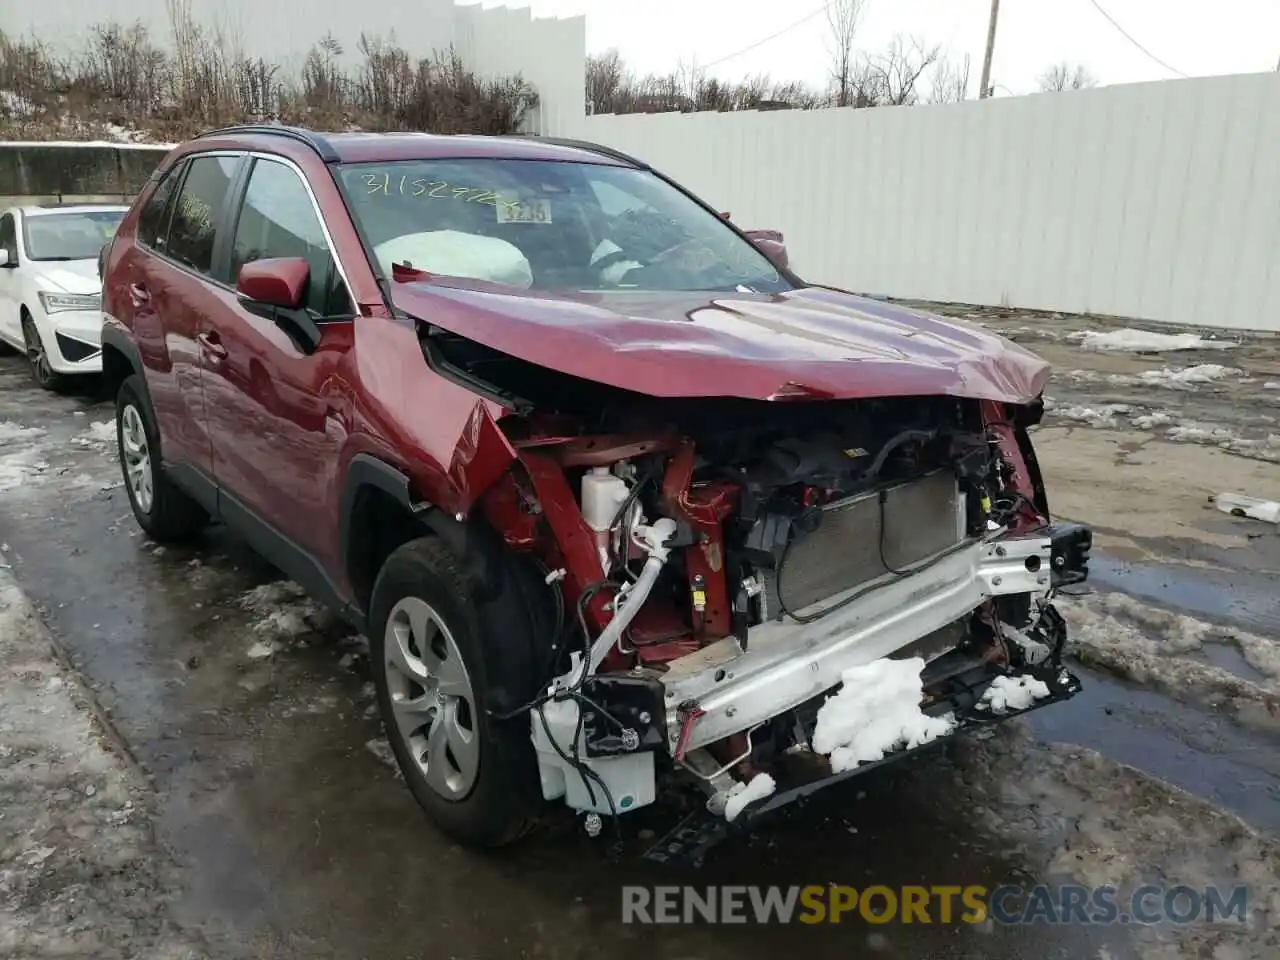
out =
column 1103, row 416
column 761, row 786
column 1012, row 693
column 99, row 434
column 266, row 596
column 15, row 104
column 16, row 431
column 283, row 611
column 1271, row 385
column 1200, row 433
column 260, row 650
column 876, row 711
column 1150, row 646
column 1149, row 421
column 1137, row 340
column 1184, row 378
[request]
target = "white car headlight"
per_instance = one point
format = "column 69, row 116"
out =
column 59, row 302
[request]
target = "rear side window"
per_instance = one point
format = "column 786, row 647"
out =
column 153, row 222
column 278, row 219
column 194, row 223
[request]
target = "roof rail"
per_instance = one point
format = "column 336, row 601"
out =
column 590, row 147
column 316, row 141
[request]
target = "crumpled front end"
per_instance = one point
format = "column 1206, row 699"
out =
column 763, row 598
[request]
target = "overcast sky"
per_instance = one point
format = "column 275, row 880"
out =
column 1196, row 37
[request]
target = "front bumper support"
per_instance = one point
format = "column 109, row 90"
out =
column 729, row 690
column 798, row 776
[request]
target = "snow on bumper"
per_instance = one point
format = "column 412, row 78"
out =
column 786, row 664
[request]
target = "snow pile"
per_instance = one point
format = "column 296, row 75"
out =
column 876, row 711
column 16, row 105
column 16, row 431
column 1149, row 421
column 1103, row 416
column 1137, row 340
column 1200, row 433
column 98, row 435
column 1183, row 378
column 284, row 613
column 761, row 786
column 1012, row 693
column 1160, row 648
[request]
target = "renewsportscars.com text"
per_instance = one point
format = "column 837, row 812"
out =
column 1005, row 905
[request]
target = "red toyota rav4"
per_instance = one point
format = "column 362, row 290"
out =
column 629, row 512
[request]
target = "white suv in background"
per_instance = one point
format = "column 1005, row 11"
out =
column 50, row 292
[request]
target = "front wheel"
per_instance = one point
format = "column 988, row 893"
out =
column 439, row 672
column 38, row 357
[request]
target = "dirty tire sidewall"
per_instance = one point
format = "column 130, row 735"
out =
column 173, row 515
column 504, row 800
column 41, row 372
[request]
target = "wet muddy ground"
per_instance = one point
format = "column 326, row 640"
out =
column 277, row 829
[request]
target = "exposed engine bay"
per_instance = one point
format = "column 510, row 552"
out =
column 718, row 575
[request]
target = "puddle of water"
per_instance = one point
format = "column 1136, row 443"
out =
column 1238, row 596
column 1189, row 747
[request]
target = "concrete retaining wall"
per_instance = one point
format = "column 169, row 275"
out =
column 74, row 172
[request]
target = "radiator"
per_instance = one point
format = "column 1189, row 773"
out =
column 862, row 540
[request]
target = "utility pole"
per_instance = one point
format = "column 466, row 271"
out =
column 985, row 91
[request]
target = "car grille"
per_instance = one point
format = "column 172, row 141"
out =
column 915, row 522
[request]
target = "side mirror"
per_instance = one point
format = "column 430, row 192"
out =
column 5, row 261
column 274, row 290
column 771, row 245
column 279, row 282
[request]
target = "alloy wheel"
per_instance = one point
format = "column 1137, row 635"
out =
column 432, row 700
column 135, row 454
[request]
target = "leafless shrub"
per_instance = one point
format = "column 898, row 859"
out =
column 950, row 83
column 613, row 88
column 120, row 80
column 1066, row 76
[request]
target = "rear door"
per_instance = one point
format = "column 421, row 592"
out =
column 270, row 402
column 173, row 284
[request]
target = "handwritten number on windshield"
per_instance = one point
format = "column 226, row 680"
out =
column 435, row 189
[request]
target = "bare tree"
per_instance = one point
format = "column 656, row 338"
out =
column 895, row 74
column 1066, row 76
column 843, row 17
column 606, row 77
column 950, row 82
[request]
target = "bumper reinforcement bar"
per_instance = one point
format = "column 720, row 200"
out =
column 798, row 776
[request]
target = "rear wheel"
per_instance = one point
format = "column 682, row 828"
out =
column 164, row 511
column 445, row 658
column 38, row 357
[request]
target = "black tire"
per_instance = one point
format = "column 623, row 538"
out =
column 38, row 359
column 498, row 625
column 172, row 515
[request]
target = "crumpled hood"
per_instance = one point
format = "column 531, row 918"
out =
column 68, row 276
column 809, row 343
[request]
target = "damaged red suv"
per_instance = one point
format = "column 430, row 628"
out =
column 631, row 514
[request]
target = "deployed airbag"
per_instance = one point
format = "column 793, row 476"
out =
column 451, row 253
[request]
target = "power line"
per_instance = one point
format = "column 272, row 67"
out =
column 773, row 36
column 1125, row 33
